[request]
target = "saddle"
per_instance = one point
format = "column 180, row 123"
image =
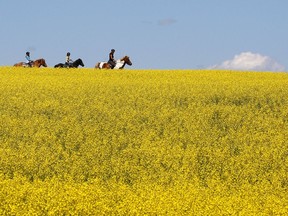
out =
column 68, row 65
column 28, row 64
column 112, row 64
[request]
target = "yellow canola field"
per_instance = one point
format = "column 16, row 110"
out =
column 143, row 142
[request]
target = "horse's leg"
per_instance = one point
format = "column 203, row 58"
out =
column 122, row 67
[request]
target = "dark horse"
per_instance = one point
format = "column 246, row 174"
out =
column 120, row 64
column 75, row 64
column 37, row 63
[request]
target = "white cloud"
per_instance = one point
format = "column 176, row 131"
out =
column 250, row 61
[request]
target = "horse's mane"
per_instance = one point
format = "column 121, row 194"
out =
column 41, row 62
column 125, row 57
column 78, row 60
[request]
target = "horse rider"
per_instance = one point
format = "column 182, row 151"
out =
column 111, row 60
column 68, row 61
column 29, row 62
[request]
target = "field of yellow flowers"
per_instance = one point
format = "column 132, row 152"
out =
column 143, row 142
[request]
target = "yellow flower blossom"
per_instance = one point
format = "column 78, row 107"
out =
column 143, row 142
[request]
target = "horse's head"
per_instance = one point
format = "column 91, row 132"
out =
column 39, row 63
column 127, row 60
column 81, row 63
column 78, row 62
column 43, row 63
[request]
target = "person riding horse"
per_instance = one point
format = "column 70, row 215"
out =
column 120, row 64
column 68, row 61
column 29, row 62
column 111, row 60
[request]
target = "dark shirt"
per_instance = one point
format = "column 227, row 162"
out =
column 111, row 56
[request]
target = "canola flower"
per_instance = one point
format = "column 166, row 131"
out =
column 143, row 142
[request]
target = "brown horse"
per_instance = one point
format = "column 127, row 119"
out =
column 120, row 64
column 37, row 63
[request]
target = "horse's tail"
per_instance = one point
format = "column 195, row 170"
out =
column 97, row 66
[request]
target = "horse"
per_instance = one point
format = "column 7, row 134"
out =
column 120, row 64
column 75, row 64
column 37, row 63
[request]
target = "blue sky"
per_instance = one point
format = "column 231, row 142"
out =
column 156, row 34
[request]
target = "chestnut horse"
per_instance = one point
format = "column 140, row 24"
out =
column 120, row 64
column 37, row 63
